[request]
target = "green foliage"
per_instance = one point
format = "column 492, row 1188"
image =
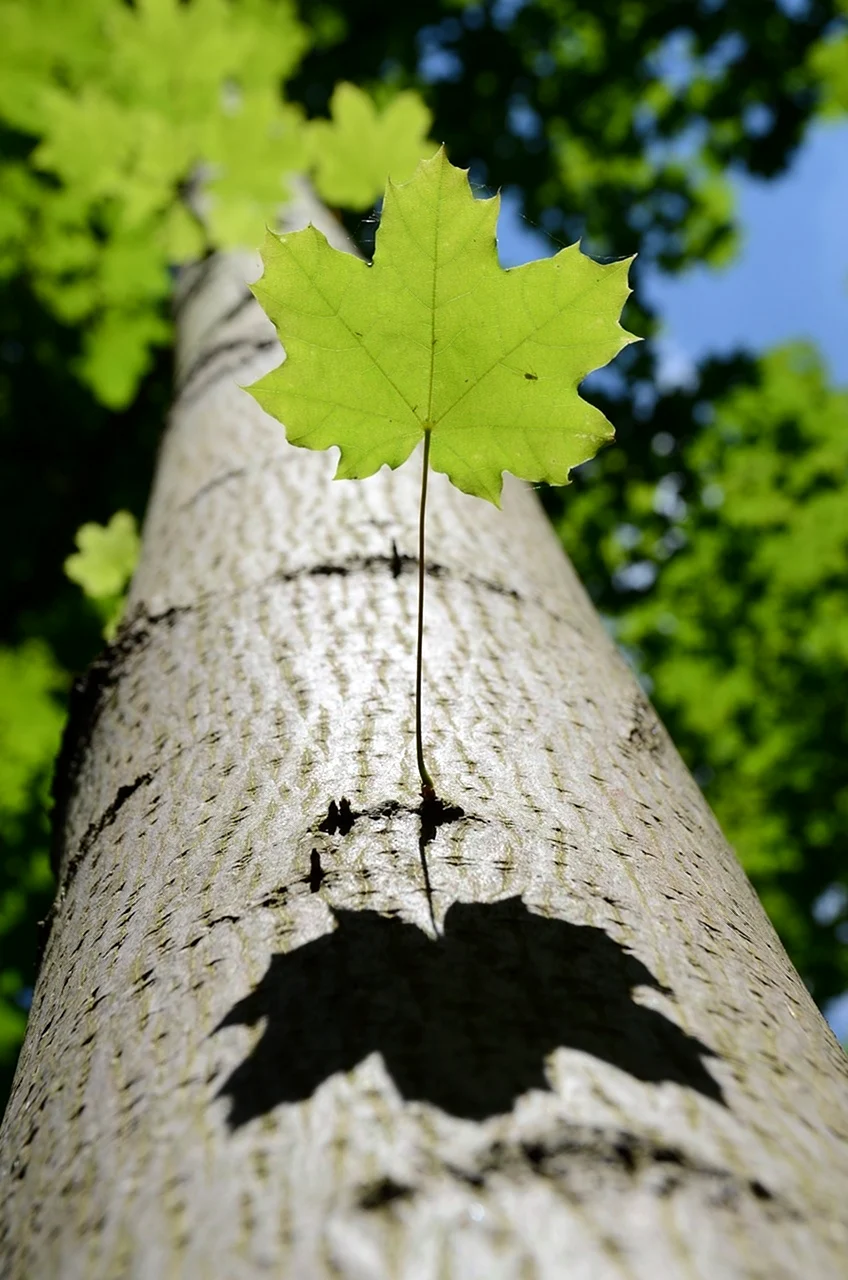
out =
column 389, row 141
column 435, row 337
column 103, row 565
column 31, row 719
column 829, row 63
column 617, row 121
column 160, row 132
column 123, row 118
column 745, row 637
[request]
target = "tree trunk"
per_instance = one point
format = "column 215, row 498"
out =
column 289, row 1025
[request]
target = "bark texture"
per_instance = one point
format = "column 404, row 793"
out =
column 252, row 1053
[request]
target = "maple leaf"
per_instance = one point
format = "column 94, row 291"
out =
column 353, row 152
column 106, row 557
column 104, row 564
column 436, row 338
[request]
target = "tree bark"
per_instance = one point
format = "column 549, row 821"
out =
column 289, row 1024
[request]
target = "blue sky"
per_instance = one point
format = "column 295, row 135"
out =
column 790, row 279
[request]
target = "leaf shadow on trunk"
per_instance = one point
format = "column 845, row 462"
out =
column 464, row 1022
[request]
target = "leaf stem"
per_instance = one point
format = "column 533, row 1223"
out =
column 427, row 788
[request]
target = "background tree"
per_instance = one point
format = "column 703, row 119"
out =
column 573, row 106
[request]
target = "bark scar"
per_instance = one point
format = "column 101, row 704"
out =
column 432, row 813
column 87, row 699
column 382, row 1192
column 92, row 831
column 644, row 732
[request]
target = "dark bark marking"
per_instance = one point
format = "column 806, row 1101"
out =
column 226, row 919
column 221, row 321
column 91, row 834
column 236, row 309
column 224, row 478
column 92, row 831
column 84, row 707
column 106, row 819
column 645, row 734
column 87, row 699
column 199, row 272
column 209, row 354
column 563, row 1153
column 339, row 818
column 382, row 1192
column 276, row 898
column 470, row 579
column 397, row 564
column 434, row 813
column 88, row 696
column 431, row 812
column 193, row 385
column 356, row 564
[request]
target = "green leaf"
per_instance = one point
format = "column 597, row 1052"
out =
column 436, row 336
column 31, row 719
column 353, row 153
column 106, row 558
column 117, row 353
column 829, row 62
column 143, row 158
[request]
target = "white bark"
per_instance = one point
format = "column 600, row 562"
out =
column 248, row 1053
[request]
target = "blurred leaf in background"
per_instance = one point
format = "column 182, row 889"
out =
column 829, row 63
column 116, row 130
column 360, row 144
column 103, row 565
column 31, row 719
